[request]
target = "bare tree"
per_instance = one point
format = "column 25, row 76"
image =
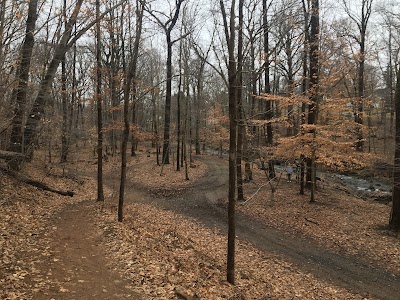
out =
column 130, row 85
column 20, row 93
column 100, row 191
column 65, row 42
column 232, row 79
column 168, row 26
column 361, row 22
column 267, row 85
column 314, row 86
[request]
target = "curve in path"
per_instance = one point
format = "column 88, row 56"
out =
column 201, row 203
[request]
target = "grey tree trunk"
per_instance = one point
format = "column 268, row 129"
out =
column 100, row 189
column 37, row 111
column 232, row 80
column 240, row 111
column 19, row 94
column 130, row 85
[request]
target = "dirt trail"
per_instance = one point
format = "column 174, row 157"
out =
column 202, row 203
column 76, row 266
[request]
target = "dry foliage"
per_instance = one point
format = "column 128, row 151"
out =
column 338, row 220
column 26, row 213
column 161, row 251
column 145, row 172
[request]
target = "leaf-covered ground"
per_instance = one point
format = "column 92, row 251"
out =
column 160, row 252
column 25, row 218
column 337, row 220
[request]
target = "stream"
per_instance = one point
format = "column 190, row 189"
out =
column 369, row 189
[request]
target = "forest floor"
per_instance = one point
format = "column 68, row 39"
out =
column 173, row 238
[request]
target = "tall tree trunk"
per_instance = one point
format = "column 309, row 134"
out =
column 38, row 108
column 178, row 129
column 394, row 221
column 313, row 88
column 130, row 84
column 240, row 113
column 304, row 86
column 168, row 96
column 360, row 103
column 168, row 27
column 100, row 190
column 232, row 72
column 64, row 129
column 19, row 94
column 267, row 87
column 64, row 141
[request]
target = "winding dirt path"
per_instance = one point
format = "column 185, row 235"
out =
column 75, row 266
column 201, row 203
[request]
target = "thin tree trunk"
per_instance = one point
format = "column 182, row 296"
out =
column 232, row 72
column 304, row 87
column 64, row 140
column 178, row 121
column 130, row 84
column 240, row 114
column 64, row 129
column 168, row 27
column 267, row 88
column 100, row 190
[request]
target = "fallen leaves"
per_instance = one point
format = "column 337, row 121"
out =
column 161, row 252
column 338, row 221
column 25, row 214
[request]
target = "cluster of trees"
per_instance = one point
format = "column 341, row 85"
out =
column 256, row 77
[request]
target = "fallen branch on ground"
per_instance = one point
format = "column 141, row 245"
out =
column 37, row 184
column 10, row 155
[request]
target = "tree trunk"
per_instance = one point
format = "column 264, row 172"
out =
column 37, row 111
column 239, row 109
column 314, row 84
column 360, row 102
column 304, row 89
column 19, row 94
column 130, row 84
column 394, row 221
column 64, row 129
column 100, row 191
column 232, row 72
column 178, row 121
column 267, row 88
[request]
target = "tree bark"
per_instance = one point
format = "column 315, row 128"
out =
column 168, row 27
column 239, row 109
column 313, row 88
column 19, row 94
column 64, row 128
column 304, row 87
column 130, row 84
column 100, row 190
column 232, row 79
column 394, row 220
column 267, row 88
column 37, row 111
